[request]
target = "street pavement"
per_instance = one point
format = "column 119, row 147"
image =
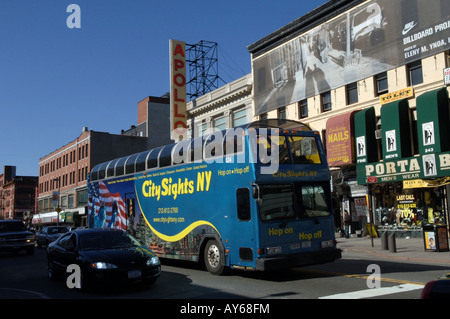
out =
column 406, row 249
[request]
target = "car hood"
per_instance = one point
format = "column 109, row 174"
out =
column 121, row 256
column 20, row 232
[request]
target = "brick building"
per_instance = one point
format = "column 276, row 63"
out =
column 63, row 173
column 17, row 195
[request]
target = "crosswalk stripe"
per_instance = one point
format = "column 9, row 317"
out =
column 374, row 292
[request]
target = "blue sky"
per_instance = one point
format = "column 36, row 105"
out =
column 55, row 80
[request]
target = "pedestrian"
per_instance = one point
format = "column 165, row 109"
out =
column 347, row 222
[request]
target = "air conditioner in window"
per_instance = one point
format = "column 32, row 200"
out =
column 378, row 134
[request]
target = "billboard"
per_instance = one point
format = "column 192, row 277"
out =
column 178, row 118
column 369, row 39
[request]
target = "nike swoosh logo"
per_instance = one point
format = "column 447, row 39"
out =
column 408, row 28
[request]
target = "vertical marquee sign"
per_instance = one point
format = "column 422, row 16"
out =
column 178, row 118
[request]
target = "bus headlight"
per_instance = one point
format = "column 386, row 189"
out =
column 274, row 250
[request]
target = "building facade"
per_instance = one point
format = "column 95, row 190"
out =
column 17, row 195
column 225, row 107
column 63, row 174
column 329, row 67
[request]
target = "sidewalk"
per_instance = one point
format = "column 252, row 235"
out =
column 407, row 249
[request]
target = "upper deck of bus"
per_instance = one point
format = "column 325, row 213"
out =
column 302, row 146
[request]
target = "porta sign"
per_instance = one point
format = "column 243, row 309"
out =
column 178, row 118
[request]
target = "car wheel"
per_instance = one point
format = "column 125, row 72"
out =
column 213, row 255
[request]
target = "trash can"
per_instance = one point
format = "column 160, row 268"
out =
column 435, row 238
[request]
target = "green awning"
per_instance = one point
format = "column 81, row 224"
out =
column 365, row 125
column 433, row 127
column 395, row 130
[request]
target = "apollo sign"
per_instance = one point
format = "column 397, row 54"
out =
column 178, row 115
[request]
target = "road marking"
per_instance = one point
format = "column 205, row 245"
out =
column 375, row 292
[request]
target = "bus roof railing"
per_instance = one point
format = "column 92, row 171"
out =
column 282, row 124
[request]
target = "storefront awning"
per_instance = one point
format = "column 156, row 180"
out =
column 433, row 123
column 365, row 126
column 395, row 130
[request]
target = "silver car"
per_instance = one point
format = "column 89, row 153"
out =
column 49, row 234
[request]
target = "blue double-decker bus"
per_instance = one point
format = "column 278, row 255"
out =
column 255, row 197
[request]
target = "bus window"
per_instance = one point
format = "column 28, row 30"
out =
column 314, row 201
column 304, row 150
column 243, row 204
column 101, row 170
column 94, row 173
column 129, row 166
column 165, row 156
column 110, row 169
column 140, row 161
column 120, row 166
column 152, row 160
column 282, row 144
column 277, row 202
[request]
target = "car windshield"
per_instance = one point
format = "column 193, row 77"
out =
column 56, row 230
column 107, row 240
column 12, row 226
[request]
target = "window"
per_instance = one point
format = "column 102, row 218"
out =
column 326, row 101
column 219, row 123
column 415, row 75
column 352, row 93
column 239, row 117
column 202, row 127
column 303, row 108
column 381, row 84
column 243, row 204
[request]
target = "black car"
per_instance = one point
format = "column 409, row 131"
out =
column 49, row 234
column 14, row 236
column 102, row 255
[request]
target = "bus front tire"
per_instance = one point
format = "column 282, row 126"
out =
column 213, row 256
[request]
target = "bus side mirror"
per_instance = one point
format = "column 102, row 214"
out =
column 256, row 193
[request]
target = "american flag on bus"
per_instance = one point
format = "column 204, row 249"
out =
column 109, row 209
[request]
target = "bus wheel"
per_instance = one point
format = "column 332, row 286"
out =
column 213, row 257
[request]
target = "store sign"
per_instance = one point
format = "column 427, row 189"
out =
column 178, row 118
column 397, row 95
column 424, row 166
column 340, row 147
column 447, row 76
column 369, row 39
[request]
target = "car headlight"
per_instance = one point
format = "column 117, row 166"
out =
column 153, row 261
column 103, row 265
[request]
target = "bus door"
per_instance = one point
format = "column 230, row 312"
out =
column 243, row 247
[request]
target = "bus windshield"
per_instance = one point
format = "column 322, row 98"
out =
column 291, row 149
column 284, row 202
